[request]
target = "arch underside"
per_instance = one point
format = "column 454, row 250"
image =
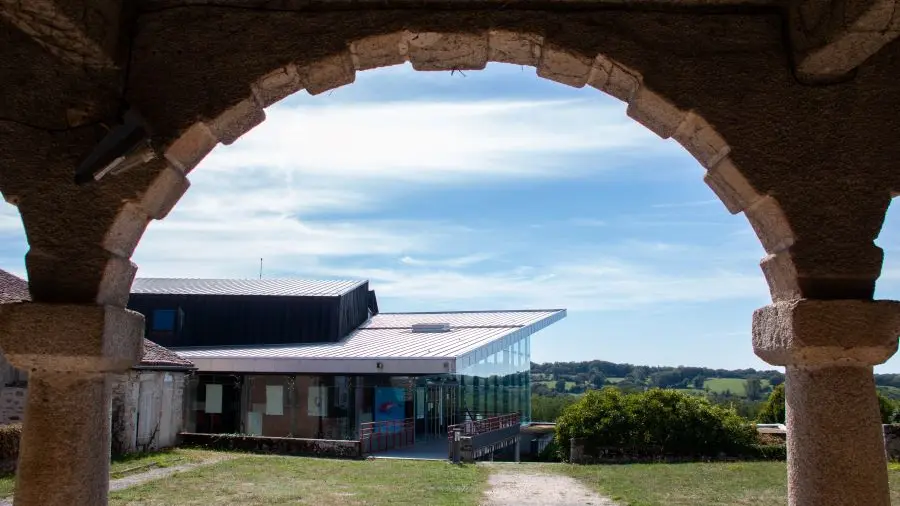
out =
column 697, row 79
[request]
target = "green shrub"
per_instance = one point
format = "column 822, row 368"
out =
column 654, row 423
column 768, row 452
column 550, row 453
column 9, row 441
column 772, row 410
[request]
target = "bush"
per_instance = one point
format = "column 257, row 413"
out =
column 550, row 453
column 772, row 410
column 654, row 423
column 769, row 452
column 9, row 441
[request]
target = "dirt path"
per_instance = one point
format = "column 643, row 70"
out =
column 511, row 487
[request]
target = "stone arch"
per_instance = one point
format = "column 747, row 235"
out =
column 436, row 51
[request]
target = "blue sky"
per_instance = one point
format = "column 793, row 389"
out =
column 488, row 190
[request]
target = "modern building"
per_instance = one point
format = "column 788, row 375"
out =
column 316, row 359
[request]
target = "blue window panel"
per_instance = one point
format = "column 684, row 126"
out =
column 164, row 320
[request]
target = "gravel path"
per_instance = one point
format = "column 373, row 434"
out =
column 509, row 487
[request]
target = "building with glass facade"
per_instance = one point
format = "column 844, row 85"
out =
column 273, row 376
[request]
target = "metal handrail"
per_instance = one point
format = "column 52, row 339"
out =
column 475, row 427
column 386, row 435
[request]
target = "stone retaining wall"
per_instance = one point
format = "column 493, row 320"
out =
column 332, row 448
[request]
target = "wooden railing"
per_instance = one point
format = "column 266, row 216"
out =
column 386, row 435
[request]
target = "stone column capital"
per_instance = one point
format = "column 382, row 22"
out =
column 815, row 333
column 71, row 338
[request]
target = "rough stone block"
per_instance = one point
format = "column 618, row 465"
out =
column 701, row 140
column 164, row 192
column 770, row 224
column 731, row 186
column 379, row 51
column 237, row 121
column 277, row 85
column 655, row 113
column 125, row 232
column 614, row 79
column 115, row 284
column 329, row 73
column 826, row 332
column 513, row 47
column 71, row 338
column 564, row 67
column 191, row 147
column 448, row 51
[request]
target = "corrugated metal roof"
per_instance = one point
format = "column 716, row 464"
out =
column 273, row 287
column 390, row 336
column 459, row 319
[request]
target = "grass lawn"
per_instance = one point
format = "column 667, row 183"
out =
column 737, row 386
column 694, row 484
column 129, row 464
column 258, row 480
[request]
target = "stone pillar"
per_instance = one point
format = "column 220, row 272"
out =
column 835, row 443
column 576, row 450
column 71, row 351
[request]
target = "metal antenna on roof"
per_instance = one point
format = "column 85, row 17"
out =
column 260, row 268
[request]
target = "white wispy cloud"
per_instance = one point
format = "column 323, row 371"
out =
column 598, row 285
column 432, row 141
column 461, row 261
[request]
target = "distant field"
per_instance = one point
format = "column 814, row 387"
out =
column 552, row 384
column 720, row 385
column 615, row 380
column 889, row 392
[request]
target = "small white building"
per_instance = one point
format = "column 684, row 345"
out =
column 147, row 401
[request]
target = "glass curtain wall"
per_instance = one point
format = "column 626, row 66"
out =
column 497, row 380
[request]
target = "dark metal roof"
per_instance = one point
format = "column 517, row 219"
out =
column 273, row 287
column 15, row 289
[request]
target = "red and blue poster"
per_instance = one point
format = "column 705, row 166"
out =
column 390, row 404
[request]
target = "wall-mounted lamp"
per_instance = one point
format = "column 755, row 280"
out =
column 125, row 146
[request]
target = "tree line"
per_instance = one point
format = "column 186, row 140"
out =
column 590, row 372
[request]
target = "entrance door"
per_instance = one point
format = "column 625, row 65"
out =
column 439, row 410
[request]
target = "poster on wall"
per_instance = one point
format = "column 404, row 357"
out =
column 317, row 401
column 213, row 399
column 390, row 404
column 274, row 400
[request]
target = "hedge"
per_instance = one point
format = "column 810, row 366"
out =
column 663, row 423
column 9, row 441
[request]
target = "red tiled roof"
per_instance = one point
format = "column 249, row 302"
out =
column 158, row 356
column 15, row 289
column 12, row 288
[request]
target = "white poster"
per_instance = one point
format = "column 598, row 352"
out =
column 317, row 401
column 274, row 400
column 254, row 423
column 213, row 398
